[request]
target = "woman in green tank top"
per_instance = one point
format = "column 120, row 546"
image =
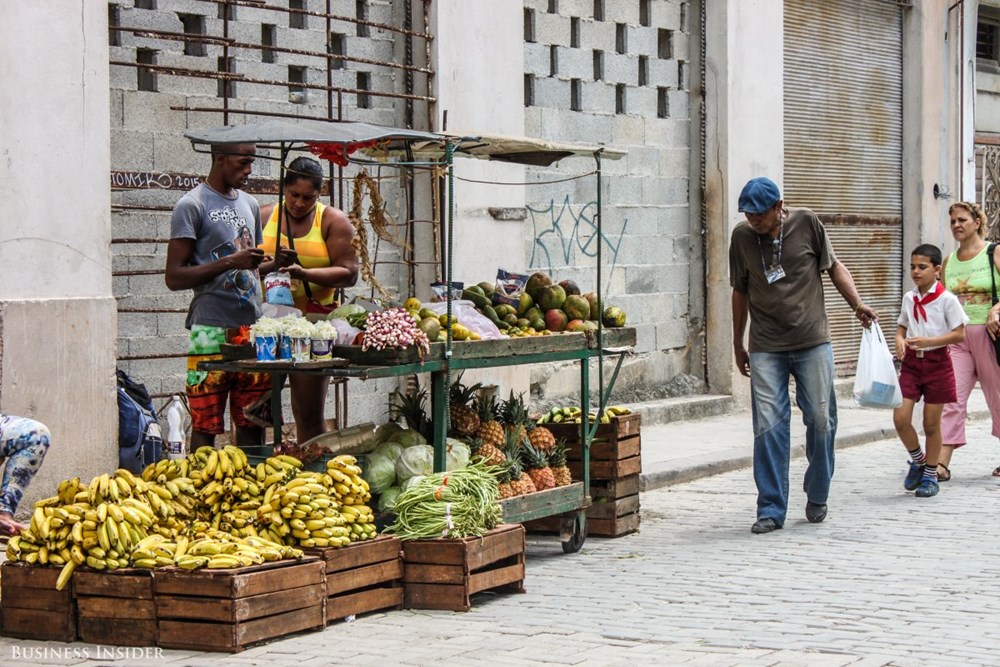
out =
column 967, row 274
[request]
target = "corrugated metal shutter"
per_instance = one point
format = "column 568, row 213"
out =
column 843, row 145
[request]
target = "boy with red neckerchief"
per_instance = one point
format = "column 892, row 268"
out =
column 930, row 320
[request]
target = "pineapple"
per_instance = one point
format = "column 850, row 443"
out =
column 464, row 420
column 557, row 461
column 410, row 406
column 515, row 415
column 520, row 481
column 504, row 483
column 490, row 430
column 542, row 439
column 490, row 454
column 538, row 468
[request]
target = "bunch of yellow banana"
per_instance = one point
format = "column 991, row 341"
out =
column 348, row 486
column 574, row 415
column 101, row 537
column 166, row 469
column 352, row 491
column 360, row 521
column 211, row 552
column 304, row 512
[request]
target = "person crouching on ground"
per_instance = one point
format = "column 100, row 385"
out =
column 930, row 320
column 23, row 443
column 776, row 264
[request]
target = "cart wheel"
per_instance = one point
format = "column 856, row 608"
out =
column 579, row 534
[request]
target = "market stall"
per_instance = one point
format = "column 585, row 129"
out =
column 359, row 142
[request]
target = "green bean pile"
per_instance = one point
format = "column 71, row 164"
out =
column 460, row 503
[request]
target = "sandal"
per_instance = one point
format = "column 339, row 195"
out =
column 947, row 472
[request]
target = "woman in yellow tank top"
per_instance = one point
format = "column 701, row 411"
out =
column 322, row 237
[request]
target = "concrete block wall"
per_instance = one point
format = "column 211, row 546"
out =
column 147, row 135
column 648, row 232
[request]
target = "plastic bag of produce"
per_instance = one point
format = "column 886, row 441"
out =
column 387, row 499
column 457, row 455
column 467, row 315
column 389, row 449
column 417, row 460
column 379, row 472
column 440, row 291
column 509, row 287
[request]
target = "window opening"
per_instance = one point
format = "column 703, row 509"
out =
column 662, row 103
column 574, row 95
column 529, row 25
column 553, row 60
column 598, row 65
column 621, row 38
column 268, row 37
column 574, row 32
column 145, row 78
column 296, row 20
column 643, row 70
column 620, row 98
column 194, row 24
column 364, row 84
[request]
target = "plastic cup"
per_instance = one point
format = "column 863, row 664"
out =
column 267, row 348
column 285, row 348
column 322, row 348
column 301, row 349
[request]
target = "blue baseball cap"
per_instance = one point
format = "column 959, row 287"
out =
column 759, row 195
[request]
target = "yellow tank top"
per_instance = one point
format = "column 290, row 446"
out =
column 312, row 252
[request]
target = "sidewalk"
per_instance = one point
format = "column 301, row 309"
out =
column 682, row 451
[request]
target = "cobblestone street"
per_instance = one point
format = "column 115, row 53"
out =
column 888, row 579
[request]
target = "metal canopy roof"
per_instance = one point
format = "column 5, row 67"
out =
column 423, row 145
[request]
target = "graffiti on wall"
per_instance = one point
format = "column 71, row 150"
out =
column 562, row 231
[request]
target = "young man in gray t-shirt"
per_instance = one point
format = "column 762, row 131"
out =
column 214, row 234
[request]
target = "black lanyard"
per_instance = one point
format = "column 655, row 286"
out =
column 776, row 245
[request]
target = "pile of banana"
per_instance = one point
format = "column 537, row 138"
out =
column 303, row 511
column 97, row 524
column 574, row 415
column 212, row 553
column 352, row 492
column 230, row 490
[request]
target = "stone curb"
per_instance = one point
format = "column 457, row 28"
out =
column 736, row 458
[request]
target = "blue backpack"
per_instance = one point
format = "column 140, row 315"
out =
column 139, row 440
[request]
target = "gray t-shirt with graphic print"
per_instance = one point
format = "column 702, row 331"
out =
column 220, row 226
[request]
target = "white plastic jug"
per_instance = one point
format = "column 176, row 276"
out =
column 176, row 448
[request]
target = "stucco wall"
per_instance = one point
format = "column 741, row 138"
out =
column 57, row 321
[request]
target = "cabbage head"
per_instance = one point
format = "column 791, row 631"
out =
column 457, row 455
column 410, row 438
column 342, row 312
column 389, row 449
column 387, row 499
column 387, row 432
column 379, row 472
column 416, row 460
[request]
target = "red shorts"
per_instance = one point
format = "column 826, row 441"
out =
column 209, row 391
column 929, row 375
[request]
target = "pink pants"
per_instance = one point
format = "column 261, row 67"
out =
column 973, row 359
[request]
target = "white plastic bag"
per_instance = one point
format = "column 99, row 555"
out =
column 876, row 384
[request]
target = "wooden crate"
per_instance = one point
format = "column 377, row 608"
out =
column 607, row 526
column 615, row 450
column 620, row 428
column 613, row 489
column 363, row 577
column 31, row 606
column 115, row 607
column 228, row 610
column 445, row 573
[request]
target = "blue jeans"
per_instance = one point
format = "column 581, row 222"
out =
column 812, row 369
